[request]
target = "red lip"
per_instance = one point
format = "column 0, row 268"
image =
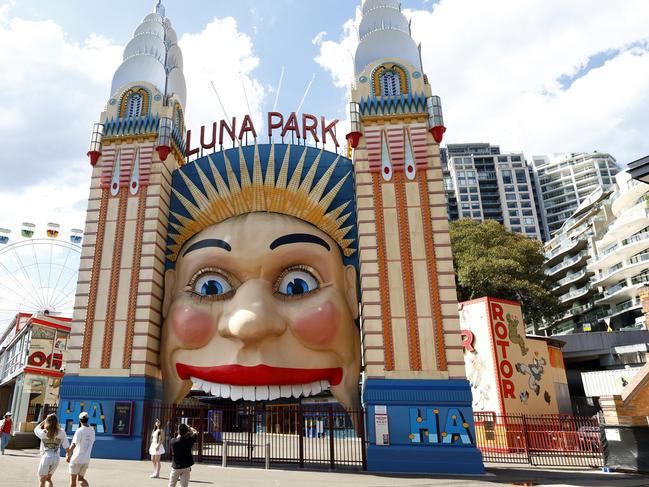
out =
column 259, row 375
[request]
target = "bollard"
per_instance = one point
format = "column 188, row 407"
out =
column 224, row 457
column 267, row 456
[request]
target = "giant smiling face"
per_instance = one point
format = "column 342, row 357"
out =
column 259, row 307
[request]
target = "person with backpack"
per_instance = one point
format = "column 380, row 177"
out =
column 6, row 426
column 52, row 438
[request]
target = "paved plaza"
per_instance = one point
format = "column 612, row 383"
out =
column 19, row 469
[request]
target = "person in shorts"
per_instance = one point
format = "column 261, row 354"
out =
column 181, row 448
column 5, row 431
column 79, row 453
column 52, row 438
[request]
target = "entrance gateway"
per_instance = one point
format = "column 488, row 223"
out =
column 274, row 273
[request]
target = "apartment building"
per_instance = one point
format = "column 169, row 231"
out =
column 599, row 259
column 567, row 179
column 482, row 183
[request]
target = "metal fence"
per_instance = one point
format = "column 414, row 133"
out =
column 306, row 435
column 550, row 440
column 38, row 412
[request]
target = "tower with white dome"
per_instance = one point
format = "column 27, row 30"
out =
column 415, row 391
column 136, row 144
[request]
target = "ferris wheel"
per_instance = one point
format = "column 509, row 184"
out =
column 38, row 274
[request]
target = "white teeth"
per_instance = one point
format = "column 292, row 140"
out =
column 315, row 387
column 236, row 392
column 285, row 391
column 259, row 393
column 248, row 393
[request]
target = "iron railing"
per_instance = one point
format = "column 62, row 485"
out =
column 549, row 440
column 305, row 435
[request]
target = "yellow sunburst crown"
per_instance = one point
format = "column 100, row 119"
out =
column 322, row 197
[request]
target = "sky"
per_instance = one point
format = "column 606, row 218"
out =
column 538, row 76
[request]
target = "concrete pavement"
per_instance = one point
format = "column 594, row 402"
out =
column 18, row 468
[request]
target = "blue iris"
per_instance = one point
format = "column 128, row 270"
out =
column 297, row 287
column 211, row 288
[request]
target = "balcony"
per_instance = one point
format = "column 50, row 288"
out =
column 553, row 256
column 631, row 221
column 621, row 251
column 558, row 270
column 564, row 284
column 580, row 293
column 621, row 270
column 628, row 195
column 622, row 292
column 625, row 306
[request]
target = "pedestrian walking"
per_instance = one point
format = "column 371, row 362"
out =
column 6, row 426
column 52, row 438
column 156, row 449
column 181, row 448
column 79, row 453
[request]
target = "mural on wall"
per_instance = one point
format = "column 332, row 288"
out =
column 260, row 297
column 526, row 383
column 478, row 357
column 535, row 372
column 514, row 337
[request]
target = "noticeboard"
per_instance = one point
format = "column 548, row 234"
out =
column 123, row 418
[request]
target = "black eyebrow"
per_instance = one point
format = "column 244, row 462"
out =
column 210, row 242
column 298, row 238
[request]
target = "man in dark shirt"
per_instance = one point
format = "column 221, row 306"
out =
column 181, row 448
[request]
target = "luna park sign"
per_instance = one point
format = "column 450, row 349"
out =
column 299, row 127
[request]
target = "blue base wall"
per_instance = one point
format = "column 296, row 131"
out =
column 97, row 396
column 430, row 427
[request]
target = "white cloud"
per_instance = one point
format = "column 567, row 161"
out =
column 220, row 53
column 498, row 65
column 338, row 57
column 56, row 89
column 50, row 91
column 319, row 37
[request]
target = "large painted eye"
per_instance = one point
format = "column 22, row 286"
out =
column 211, row 285
column 297, row 282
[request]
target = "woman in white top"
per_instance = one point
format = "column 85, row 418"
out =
column 157, row 448
column 52, row 439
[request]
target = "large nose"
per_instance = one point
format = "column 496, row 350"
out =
column 253, row 316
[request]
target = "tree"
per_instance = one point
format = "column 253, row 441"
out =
column 490, row 260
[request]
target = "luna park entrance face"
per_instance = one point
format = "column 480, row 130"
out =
column 306, row 435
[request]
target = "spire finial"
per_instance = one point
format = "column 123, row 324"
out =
column 159, row 8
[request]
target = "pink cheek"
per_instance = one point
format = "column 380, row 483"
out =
column 318, row 326
column 194, row 329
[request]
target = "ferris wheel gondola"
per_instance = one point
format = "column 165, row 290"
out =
column 38, row 274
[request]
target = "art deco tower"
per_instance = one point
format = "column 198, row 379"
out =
column 137, row 143
column 414, row 368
